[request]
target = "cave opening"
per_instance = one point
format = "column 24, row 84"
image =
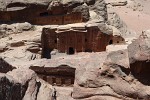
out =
column 111, row 42
column 141, row 71
column 71, row 50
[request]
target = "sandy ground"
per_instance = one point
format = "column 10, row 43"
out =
column 136, row 20
column 145, row 5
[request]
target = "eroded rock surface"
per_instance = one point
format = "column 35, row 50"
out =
column 122, row 75
column 5, row 66
column 23, row 84
column 139, row 57
column 117, row 75
column 7, row 29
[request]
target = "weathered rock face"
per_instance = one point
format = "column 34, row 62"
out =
column 23, row 84
column 85, row 11
column 17, row 44
column 40, row 10
column 115, row 21
column 139, row 57
column 22, row 4
column 111, row 80
column 100, row 82
column 3, row 47
column 139, row 50
column 50, row 12
column 99, row 76
column 6, row 30
column 99, row 7
column 4, row 66
column 10, row 88
column 114, row 78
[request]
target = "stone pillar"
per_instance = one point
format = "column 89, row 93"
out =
column 68, row 81
column 50, row 80
column 58, row 81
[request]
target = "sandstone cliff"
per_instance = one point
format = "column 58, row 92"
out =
column 119, row 73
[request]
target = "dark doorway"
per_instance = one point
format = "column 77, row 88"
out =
column 88, row 50
column 141, row 71
column 111, row 42
column 71, row 50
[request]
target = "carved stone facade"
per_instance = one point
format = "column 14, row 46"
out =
column 70, row 41
column 60, row 76
column 40, row 16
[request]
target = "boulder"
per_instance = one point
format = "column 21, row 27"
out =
column 139, row 49
column 10, row 88
column 5, row 66
column 3, row 47
column 23, row 84
column 34, row 48
column 111, row 79
column 3, row 30
column 23, row 26
column 119, row 57
column 100, row 8
column 139, row 57
column 6, row 29
column 17, row 44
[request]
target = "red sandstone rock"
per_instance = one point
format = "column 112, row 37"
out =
column 82, row 38
column 115, row 75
